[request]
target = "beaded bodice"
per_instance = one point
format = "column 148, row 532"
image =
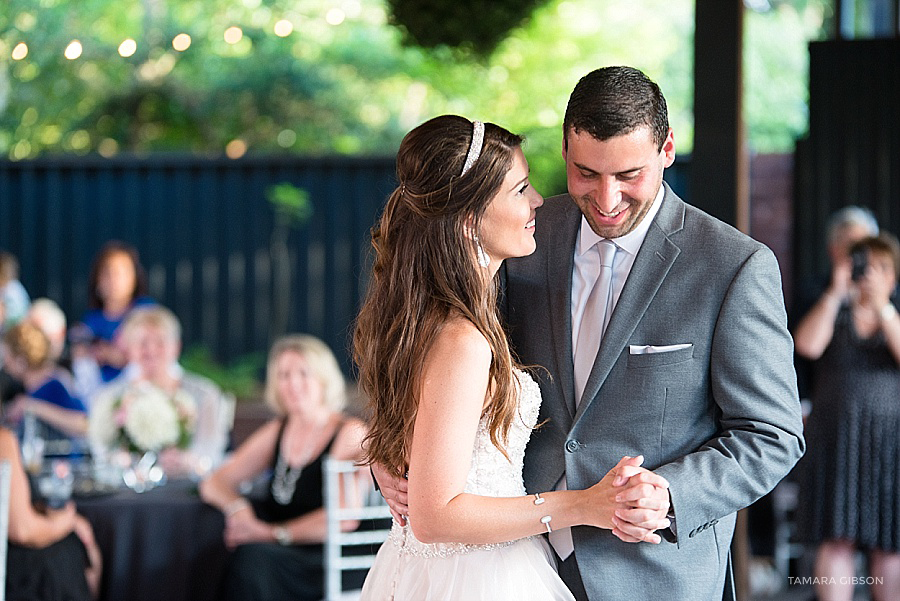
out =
column 490, row 474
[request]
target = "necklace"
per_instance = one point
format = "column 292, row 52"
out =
column 284, row 480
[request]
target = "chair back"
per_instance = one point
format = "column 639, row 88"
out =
column 5, row 478
column 350, row 496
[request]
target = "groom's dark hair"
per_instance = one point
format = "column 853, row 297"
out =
column 615, row 101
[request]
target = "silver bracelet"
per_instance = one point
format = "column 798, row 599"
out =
column 538, row 500
column 888, row 311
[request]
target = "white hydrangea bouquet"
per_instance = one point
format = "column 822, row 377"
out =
column 146, row 418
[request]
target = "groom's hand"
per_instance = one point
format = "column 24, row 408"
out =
column 394, row 490
column 641, row 502
column 646, row 499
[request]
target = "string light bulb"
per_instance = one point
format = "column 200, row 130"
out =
column 73, row 50
column 233, row 34
column 236, row 149
column 127, row 48
column 283, row 28
column 20, row 51
column 181, row 42
column 335, row 16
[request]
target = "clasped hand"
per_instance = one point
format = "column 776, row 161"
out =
column 630, row 500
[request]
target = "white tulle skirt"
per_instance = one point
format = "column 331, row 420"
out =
column 407, row 570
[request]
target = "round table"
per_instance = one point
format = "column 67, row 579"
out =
column 164, row 544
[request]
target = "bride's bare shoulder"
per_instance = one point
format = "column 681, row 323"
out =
column 460, row 341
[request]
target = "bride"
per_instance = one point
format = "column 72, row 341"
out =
column 451, row 408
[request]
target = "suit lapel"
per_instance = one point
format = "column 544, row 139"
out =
column 560, row 260
column 651, row 265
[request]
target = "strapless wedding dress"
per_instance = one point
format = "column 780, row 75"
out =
column 522, row 570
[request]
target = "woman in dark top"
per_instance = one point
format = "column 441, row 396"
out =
column 278, row 539
column 52, row 554
column 850, row 476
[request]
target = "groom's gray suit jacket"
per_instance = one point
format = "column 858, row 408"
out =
column 720, row 419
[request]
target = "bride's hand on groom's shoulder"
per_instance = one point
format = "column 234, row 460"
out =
column 394, row 490
column 633, row 501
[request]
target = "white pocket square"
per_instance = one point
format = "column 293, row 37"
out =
column 646, row 349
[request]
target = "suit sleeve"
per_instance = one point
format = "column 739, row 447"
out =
column 754, row 388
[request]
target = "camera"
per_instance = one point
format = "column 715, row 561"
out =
column 860, row 260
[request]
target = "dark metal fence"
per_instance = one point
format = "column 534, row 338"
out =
column 203, row 230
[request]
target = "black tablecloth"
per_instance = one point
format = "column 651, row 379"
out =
column 160, row 545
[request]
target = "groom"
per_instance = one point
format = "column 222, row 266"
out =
column 686, row 360
column 694, row 369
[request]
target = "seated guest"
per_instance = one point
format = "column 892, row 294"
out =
column 46, row 314
column 116, row 285
column 278, row 539
column 52, row 554
column 27, row 355
column 151, row 337
column 13, row 304
column 12, row 293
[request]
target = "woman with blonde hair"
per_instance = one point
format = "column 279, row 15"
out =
column 29, row 358
column 451, row 405
column 278, row 539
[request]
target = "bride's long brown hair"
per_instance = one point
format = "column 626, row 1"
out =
column 425, row 272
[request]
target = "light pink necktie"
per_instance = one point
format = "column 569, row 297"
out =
column 597, row 311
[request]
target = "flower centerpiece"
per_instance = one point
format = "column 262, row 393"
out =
column 146, row 418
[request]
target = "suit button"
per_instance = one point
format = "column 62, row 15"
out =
column 571, row 446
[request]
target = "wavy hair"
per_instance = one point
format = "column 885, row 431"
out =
column 425, row 273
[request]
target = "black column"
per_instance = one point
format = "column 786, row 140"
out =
column 719, row 175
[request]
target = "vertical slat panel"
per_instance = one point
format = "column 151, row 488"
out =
column 202, row 228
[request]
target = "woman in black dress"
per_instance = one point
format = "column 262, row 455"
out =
column 52, row 554
column 277, row 540
column 850, row 476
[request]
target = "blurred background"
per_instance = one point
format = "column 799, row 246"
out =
column 246, row 147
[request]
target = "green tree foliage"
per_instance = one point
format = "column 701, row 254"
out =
column 342, row 81
column 776, row 71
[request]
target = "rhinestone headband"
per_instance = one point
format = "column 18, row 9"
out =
column 474, row 147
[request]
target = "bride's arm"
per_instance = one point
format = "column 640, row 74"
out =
column 453, row 391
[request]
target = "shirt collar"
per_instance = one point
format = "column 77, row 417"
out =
column 630, row 242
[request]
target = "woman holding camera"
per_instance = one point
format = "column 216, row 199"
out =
column 850, row 493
